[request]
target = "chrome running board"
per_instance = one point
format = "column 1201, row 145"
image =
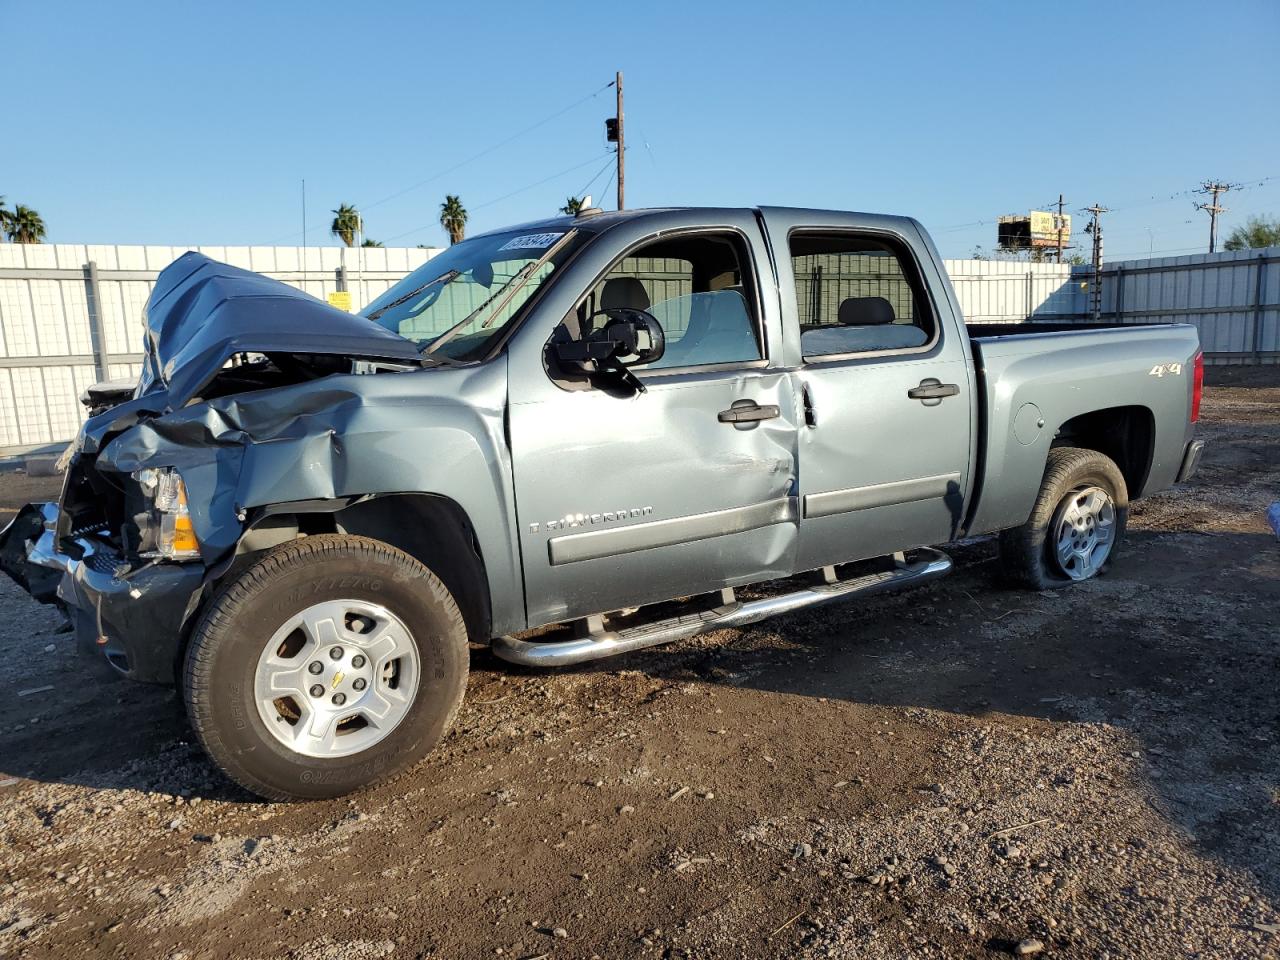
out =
column 594, row 642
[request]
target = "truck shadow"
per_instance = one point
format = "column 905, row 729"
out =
column 69, row 718
column 79, row 725
column 1176, row 648
column 1145, row 650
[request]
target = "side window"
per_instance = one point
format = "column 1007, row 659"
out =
column 699, row 288
column 857, row 295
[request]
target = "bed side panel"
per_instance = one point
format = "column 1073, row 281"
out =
column 1035, row 383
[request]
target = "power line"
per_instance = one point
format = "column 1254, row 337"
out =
column 507, row 196
column 581, row 194
column 1148, row 253
column 991, row 221
column 554, row 176
column 608, row 182
column 1153, row 199
column 471, row 159
column 488, row 150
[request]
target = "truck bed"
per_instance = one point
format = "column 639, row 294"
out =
column 1031, row 377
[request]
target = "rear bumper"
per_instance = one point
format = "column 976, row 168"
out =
column 135, row 618
column 1190, row 460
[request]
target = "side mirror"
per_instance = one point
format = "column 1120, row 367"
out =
column 636, row 335
column 627, row 338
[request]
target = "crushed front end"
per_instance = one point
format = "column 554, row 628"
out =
column 149, row 515
column 88, row 554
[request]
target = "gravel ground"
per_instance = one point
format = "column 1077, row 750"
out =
column 962, row 771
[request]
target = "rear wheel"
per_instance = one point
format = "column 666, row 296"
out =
column 1075, row 525
column 332, row 662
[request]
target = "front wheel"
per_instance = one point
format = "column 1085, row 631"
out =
column 1075, row 525
column 332, row 662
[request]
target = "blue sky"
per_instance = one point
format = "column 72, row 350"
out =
column 185, row 123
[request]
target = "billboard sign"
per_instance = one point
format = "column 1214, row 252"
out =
column 1044, row 228
column 1039, row 228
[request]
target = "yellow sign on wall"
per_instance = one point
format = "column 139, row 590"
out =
column 341, row 299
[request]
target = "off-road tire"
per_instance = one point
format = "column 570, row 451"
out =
column 1026, row 551
column 233, row 631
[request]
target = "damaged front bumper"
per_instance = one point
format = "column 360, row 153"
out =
column 135, row 617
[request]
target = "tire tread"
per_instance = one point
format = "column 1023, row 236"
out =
column 1022, row 548
column 221, row 614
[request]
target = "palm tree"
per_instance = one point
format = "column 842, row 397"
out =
column 453, row 217
column 5, row 214
column 572, row 206
column 24, row 225
column 370, row 242
column 346, row 224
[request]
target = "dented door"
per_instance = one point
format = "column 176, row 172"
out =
column 887, row 444
column 625, row 501
column 630, row 498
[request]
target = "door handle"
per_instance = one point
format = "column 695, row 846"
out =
column 933, row 390
column 748, row 411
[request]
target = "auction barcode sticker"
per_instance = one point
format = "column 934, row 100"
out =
column 531, row 241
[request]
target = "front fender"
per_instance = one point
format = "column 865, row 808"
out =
column 433, row 431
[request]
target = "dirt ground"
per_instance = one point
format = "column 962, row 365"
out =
column 949, row 772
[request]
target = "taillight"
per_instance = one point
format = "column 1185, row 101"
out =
column 1197, row 386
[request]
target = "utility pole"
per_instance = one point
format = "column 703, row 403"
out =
column 1213, row 188
column 1095, row 228
column 1059, row 225
column 358, row 301
column 622, row 146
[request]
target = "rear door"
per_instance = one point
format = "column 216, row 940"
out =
column 885, row 449
column 628, row 498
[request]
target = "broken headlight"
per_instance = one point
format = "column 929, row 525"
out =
column 171, row 535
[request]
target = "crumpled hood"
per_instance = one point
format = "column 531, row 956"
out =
column 202, row 312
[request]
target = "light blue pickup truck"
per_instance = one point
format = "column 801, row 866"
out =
column 568, row 440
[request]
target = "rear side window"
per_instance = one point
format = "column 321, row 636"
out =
column 857, row 294
column 698, row 287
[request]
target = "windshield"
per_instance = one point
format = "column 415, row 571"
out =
column 457, row 303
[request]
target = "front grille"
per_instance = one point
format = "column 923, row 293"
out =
column 102, row 563
column 90, row 505
column 88, row 529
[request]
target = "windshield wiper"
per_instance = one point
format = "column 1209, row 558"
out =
column 511, row 288
column 518, row 277
column 447, row 277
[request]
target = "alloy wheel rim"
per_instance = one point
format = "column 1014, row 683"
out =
column 1084, row 532
column 336, row 678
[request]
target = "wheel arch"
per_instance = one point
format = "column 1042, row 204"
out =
column 431, row 528
column 1126, row 434
column 437, row 532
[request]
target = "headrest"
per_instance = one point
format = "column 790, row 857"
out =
column 624, row 292
column 865, row 311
